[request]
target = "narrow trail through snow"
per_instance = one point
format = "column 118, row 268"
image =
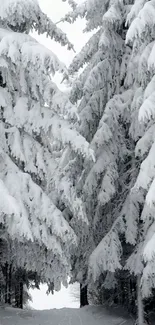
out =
column 66, row 316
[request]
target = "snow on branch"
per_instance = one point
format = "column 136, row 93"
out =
column 66, row 135
column 106, row 256
column 71, row 17
column 31, row 17
column 85, row 54
column 17, row 46
column 143, row 24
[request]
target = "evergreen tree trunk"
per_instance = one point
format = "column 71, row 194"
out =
column 140, row 307
column 21, row 295
column 10, row 285
column 83, row 296
column 6, row 283
column 17, row 296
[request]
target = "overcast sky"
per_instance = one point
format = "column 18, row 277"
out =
column 56, row 9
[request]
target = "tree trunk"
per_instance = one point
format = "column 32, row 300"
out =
column 10, row 285
column 140, row 307
column 21, row 295
column 83, row 296
column 17, row 295
column 6, row 283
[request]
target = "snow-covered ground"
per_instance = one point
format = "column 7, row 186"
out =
column 65, row 316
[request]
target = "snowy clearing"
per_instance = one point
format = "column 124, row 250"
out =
column 65, row 316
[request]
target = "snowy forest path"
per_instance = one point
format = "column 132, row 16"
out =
column 66, row 316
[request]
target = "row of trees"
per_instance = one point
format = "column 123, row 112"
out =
column 79, row 170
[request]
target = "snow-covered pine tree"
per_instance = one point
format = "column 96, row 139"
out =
column 140, row 36
column 35, row 124
column 103, row 100
column 138, row 209
column 129, row 115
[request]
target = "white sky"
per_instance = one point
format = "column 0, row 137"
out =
column 56, row 9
